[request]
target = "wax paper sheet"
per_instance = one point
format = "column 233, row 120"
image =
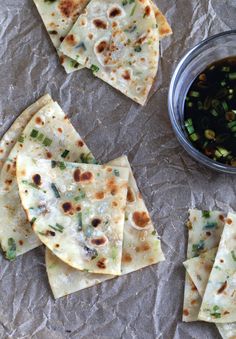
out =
column 147, row 303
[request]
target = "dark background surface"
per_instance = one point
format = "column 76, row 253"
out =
column 148, row 303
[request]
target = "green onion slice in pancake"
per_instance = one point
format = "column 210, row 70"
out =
column 78, row 213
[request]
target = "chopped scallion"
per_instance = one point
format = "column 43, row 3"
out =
column 57, row 227
column 34, row 133
column 55, row 190
column 65, row 153
column 47, row 142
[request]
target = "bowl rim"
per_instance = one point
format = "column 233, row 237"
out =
column 192, row 151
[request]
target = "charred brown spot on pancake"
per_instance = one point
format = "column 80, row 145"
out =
column 141, row 40
column 99, row 195
column 101, row 263
column 114, row 24
column 37, row 179
column 208, row 234
column 185, row 312
column 140, row 195
column 130, row 195
column 57, row 245
column 194, row 288
column 164, row 31
column 193, row 302
column 62, row 59
column 8, row 167
column 126, row 75
column 101, row 46
column 21, row 242
column 38, row 120
column 227, row 312
column 126, row 257
column 115, row 11
column 221, row 217
column 100, row 23
column 62, row 38
column 90, row 36
column 80, row 143
column 1, row 150
column 8, row 182
column 86, row 176
column 114, row 203
column 68, row 8
column 221, row 260
column 229, row 221
column 147, row 10
column 77, row 174
column 71, row 39
column 143, row 247
column 208, row 267
column 98, row 241
column 222, row 288
column 151, row 260
column 112, row 186
column 48, row 232
column 95, row 222
column 67, row 207
column 109, row 169
column 78, row 208
column 59, row 130
column 141, row 219
column 49, row 155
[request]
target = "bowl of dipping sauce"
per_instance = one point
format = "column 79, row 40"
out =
column 202, row 102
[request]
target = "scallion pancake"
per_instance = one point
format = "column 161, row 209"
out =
column 11, row 136
column 205, row 229
column 49, row 134
column 141, row 246
column 58, row 17
column 219, row 302
column 199, row 269
column 77, row 212
column 119, row 42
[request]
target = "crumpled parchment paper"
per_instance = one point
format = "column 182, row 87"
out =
column 148, row 303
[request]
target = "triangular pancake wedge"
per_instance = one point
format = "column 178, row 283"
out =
column 77, row 212
column 11, row 136
column 58, row 17
column 199, row 269
column 141, row 246
column 205, row 229
column 119, row 42
column 219, row 300
column 49, row 134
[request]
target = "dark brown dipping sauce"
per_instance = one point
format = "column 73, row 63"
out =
column 210, row 111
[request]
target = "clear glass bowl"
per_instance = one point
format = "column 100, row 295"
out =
column 217, row 47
